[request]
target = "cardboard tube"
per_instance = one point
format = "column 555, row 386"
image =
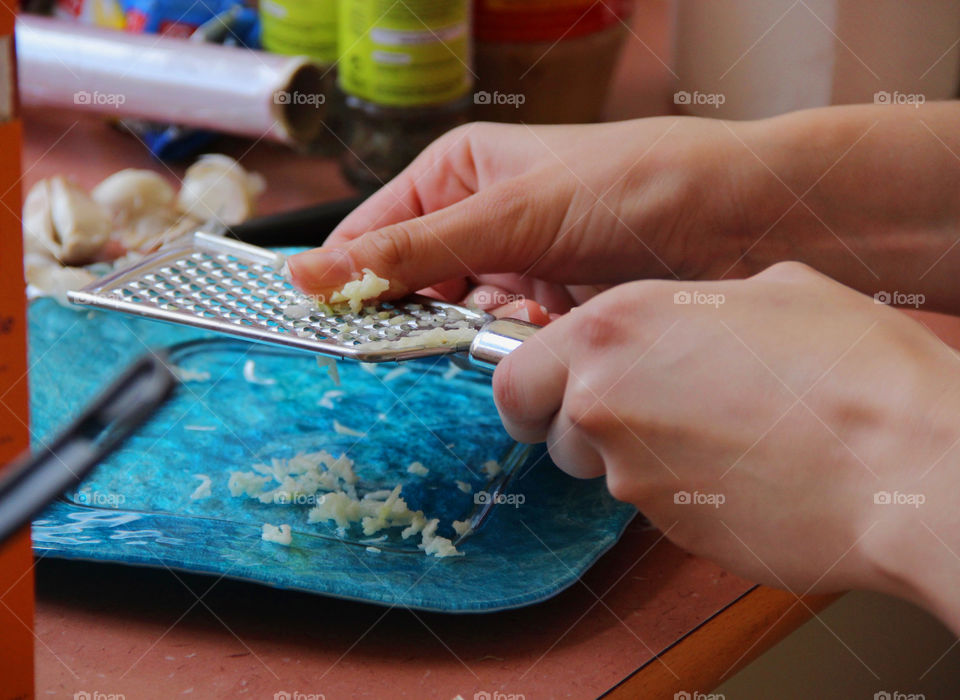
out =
column 233, row 90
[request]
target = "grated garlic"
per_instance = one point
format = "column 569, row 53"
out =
column 203, row 490
column 341, row 429
column 307, row 474
column 249, row 374
column 492, row 468
column 354, row 293
column 418, row 469
column 277, row 534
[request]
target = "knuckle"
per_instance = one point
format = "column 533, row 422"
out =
column 516, row 202
column 458, row 137
column 599, row 328
column 632, row 479
column 391, row 247
column 789, row 271
column 623, row 486
column 585, row 409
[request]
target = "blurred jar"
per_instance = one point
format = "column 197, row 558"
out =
column 748, row 59
column 546, row 61
column 406, row 77
column 307, row 28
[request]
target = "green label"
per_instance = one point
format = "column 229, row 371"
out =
column 405, row 54
column 300, row 27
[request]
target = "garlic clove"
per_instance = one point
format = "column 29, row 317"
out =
column 39, row 237
column 218, row 188
column 130, row 194
column 81, row 227
column 53, row 280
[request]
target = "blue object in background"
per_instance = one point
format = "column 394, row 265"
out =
column 177, row 17
column 227, row 22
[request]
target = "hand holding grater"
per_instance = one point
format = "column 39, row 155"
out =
column 223, row 285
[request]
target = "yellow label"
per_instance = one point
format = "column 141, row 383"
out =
column 406, row 54
column 300, row 28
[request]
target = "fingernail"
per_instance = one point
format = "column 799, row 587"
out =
column 321, row 269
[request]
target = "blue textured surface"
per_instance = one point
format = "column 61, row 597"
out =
column 135, row 508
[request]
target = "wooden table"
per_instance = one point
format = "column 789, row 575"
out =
column 648, row 620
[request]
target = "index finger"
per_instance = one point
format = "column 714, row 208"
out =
column 440, row 176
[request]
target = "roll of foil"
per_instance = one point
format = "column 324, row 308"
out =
column 227, row 89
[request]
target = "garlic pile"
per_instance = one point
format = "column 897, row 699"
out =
column 330, row 484
column 130, row 213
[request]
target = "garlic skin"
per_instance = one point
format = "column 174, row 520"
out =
column 38, row 234
column 217, row 188
column 62, row 221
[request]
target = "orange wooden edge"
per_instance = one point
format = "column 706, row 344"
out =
column 721, row 646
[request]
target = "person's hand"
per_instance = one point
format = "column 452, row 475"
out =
column 762, row 423
column 864, row 193
column 549, row 214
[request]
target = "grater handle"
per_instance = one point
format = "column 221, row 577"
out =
column 498, row 339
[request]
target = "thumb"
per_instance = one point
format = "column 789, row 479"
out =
column 505, row 228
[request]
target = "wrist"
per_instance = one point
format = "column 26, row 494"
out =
column 912, row 545
column 863, row 193
column 916, row 563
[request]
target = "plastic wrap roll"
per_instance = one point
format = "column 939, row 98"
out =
column 233, row 90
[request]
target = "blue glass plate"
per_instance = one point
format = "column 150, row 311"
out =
column 541, row 534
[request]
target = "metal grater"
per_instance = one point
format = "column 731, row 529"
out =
column 223, row 285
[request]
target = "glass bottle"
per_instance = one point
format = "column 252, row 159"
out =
column 405, row 75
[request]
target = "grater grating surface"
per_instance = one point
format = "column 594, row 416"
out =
column 231, row 287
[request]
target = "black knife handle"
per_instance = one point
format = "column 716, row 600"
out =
column 33, row 480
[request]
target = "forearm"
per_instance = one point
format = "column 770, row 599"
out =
column 869, row 195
